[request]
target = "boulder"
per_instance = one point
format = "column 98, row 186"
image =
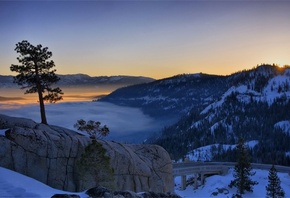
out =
column 50, row 155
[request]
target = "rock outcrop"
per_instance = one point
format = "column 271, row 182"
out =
column 50, row 154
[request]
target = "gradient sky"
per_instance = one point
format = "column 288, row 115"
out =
column 148, row 38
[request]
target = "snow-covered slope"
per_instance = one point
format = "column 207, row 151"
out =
column 217, row 186
column 206, row 153
column 171, row 97
column 277, row 87
column 15, row 185
column 255, row 106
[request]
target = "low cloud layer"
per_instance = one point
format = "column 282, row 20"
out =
column 10, row 98
column 122, row 121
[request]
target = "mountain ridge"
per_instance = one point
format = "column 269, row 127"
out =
column 211, row 109
column 255, row 107
column 170, row 97
column 85, row 80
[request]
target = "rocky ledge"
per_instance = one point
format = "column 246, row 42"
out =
column 50, row 154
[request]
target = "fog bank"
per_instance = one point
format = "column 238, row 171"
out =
column 126, row 124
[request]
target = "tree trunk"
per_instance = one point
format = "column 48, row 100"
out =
column 42, row 108
column 40, row 97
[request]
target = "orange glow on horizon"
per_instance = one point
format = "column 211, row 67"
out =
column 13, row 98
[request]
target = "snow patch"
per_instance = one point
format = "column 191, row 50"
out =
column 2, row 131
column 239, row 89
column 277, row 87
column 251, row 144
column 205, row 153
column 284, row 125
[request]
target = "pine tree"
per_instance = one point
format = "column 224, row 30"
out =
column 35, row 74
column 243, row 170
column 93, row 128
column 273, row 188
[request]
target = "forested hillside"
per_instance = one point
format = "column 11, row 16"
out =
column 256, row 107
column 171, row 97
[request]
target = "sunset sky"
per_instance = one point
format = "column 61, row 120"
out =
column 148, row 38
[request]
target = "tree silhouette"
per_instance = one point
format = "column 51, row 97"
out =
column 243, row 170
column 93, row 128
column 35, row 74
column 273, row 188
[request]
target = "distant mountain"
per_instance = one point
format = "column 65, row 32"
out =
column 6, row 82
column 82, row 79
column 254, row 104
column 86, row 80
column 172, row 97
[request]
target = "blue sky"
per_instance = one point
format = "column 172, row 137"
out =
column 149, row 38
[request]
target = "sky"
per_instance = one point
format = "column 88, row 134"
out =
column 157, row 38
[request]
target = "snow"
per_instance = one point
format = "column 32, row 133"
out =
column 201, row 154
column 252, row 144
column 213, row 127
column 239, row 89
column 271, row 90
column 204, row 153
column 116, row 78
column 277, row 87
column 13, row 184
column 2, row 131
column 213, row 183
column 284, row 125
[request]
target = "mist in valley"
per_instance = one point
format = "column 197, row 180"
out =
column 126, row 124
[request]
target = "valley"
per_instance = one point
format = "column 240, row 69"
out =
column 199, row 117
column 184, row 112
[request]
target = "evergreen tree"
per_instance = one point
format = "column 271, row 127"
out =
column 35, row 74
column 273, row 188
column 93, row 128
column 94, row 165
column 243, row 170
